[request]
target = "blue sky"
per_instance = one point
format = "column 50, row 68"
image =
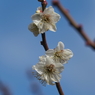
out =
column 19, row 49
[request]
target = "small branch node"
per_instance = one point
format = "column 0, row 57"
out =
column 80, row 28
column 70, row 23
column 44, row 2
column 40, row 0
column 41, row 42
column 88, row 43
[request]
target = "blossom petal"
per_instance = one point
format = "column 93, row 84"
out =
column 50, row 52
column 64, row 61
column 59, row 67
column 33, row 28
column 49, row 10
column 36, row 18
column 49, row 60
column 68, row 53
column 45, row 77
column 44, row 28
column 39, row 68
column 52, row 27
column 40, row 25
column 61, row 45
column 55, row 77
column 42, row 58
column 55, row 17
column 49, row 81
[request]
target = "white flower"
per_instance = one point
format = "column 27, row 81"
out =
column 59, row 54
column 45, row 20
column 33, row 28
column 48, row 71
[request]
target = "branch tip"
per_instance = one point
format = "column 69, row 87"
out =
column 55, row 2
column 44, row 2
column 40, row 0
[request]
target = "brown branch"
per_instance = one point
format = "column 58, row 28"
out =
column 74, row 24
column 59, row 88
column 45, row 45
column 43, row 42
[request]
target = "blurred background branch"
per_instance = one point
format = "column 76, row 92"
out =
column 76, row 26
column 4, row 89
column 34, row 86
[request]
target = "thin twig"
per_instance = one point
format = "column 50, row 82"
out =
column 74, row 24
column 4, row 89
column 45, row 45
column 59, row 88
column 44, row 42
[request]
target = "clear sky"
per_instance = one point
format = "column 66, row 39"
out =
column 19, row 49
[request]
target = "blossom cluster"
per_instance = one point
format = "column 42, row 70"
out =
column 50, row 66
column 44, row 21
column 52, row 63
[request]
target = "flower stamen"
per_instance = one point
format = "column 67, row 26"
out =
column 58, row 53
column 45, row 18
column 50, row 68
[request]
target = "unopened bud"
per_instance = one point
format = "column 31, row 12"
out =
column 38, row 11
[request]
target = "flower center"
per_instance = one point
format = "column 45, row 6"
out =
column 50, row 68
column 45, row 18
column 58, row 54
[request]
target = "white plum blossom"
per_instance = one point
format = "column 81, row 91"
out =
column 47, row 70
column 59, row 54
column 45, row 20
